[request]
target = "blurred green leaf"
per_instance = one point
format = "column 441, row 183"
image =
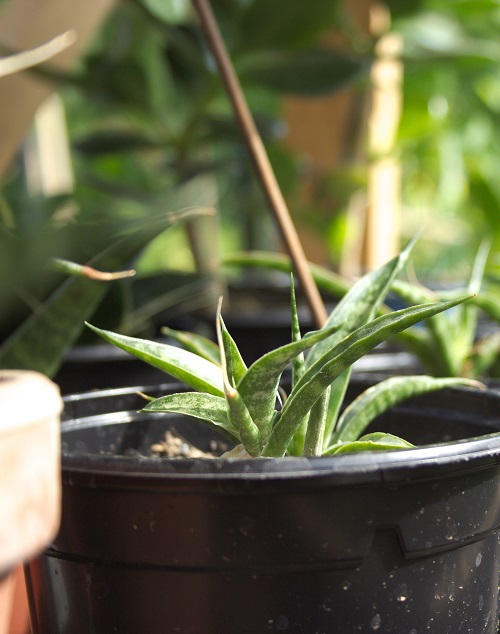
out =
column 108, row 142
column 403, row 9
column 311, row 72
column 171, row 11
column 322, row 374
column 41, row 342
column 286, row 24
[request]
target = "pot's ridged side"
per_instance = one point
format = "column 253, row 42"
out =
column 396, row 542
column 438, row 593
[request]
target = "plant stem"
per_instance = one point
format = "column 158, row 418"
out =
column 313, row 445
column 260, row 159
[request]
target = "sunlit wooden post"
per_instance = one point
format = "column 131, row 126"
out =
column 383, row 214
column 355, row 129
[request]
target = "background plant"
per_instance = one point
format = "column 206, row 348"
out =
column 454, row 343
column 54, row 324
column 148, row 121
column 146, row 112
column 449, row 141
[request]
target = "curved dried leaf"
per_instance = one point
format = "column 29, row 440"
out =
column 27, row 59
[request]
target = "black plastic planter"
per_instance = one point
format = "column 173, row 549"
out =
column 403, row 542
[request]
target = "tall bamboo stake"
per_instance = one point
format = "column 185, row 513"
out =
column 260, row 158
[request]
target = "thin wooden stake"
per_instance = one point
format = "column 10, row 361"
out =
column 259, row 156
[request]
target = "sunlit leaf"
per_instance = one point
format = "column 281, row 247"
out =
column 200, row 405
column 198, row 373
column 328, row 368
column 169, row 11
column 197, row 344
column 236, row 367
column 377, row 441
column 259, row 385
column 378, row 398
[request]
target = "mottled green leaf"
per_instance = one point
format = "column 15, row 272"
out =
column 204, row 406
column 377, row 441
column 298, row 363
column 376, row 399
column 236, row 367
column 259, row 385
column 237, row 410
column 240, row 417
column 362, row 302
column 296, row 447
column 313, row 444
column 356, row 308
column 328, row 368
column 198, row 373
column 197, row 344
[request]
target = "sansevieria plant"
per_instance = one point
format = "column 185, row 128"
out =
column 250, row 407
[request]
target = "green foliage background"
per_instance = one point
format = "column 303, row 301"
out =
column 449, row 136
column 147, row 114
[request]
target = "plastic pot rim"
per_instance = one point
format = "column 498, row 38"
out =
column 418, row 463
